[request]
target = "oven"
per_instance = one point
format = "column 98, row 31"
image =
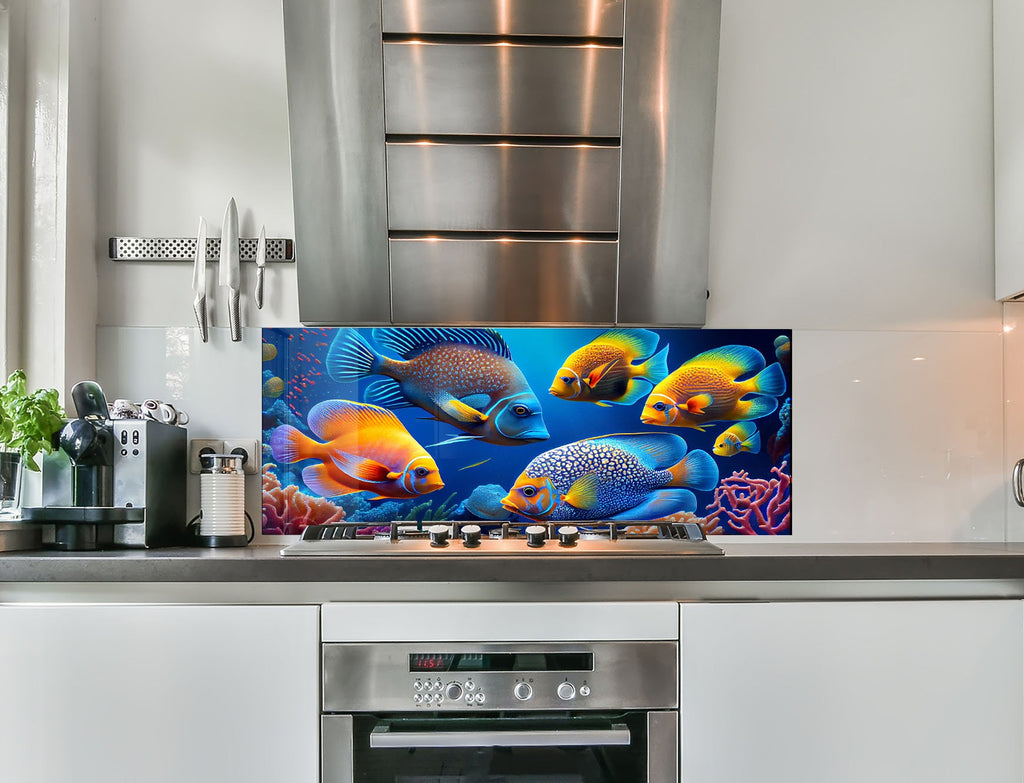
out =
column 500, row 712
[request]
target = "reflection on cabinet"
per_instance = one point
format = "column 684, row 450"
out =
column 852, row 692
column 161, row 694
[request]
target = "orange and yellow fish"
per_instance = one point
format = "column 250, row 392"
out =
column 739, row 437
column 603, row 372
column 364, row 448
column 707, row 389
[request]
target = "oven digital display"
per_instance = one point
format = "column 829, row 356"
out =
column 501, row 662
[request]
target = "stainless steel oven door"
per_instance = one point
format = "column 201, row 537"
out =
column 631, row 747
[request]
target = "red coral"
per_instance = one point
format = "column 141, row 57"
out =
column 754, row 506
column 288, row 511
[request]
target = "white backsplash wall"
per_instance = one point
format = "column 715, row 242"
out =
column 852, row 202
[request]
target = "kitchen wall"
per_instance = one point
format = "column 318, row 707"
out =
column 852, row 203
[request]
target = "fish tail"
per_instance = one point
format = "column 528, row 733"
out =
column 289, row 445
column 756, row 408
column 655, row 369
column 697, row 470
column 753, row 443
column 350, row 357
column 770, row 382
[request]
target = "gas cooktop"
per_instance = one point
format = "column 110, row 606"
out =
column 455, row 538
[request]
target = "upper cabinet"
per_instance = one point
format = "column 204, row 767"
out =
column 1008, row 128
column 502, row 161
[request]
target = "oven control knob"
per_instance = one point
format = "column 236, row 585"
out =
column 535, row 535
column 438, row 535
column 522, row 691
column 471, row 535
column 453, row 691
column 584, row 690
column 566, row 691
column 568, row 535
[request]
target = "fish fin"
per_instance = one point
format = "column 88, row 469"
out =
column 333, row 418
column 320, row 481
column 454, row 439
column 696, row 404
column 350, row 357
column 697, row 469
column 756, row 408
column 583, row 492
column 733, row 360
column 478, row 401
column 287, row 444
column 360, row 468
column 752, row 444
column 655, row 369
column 595, row 375
column 656, row 450
column 770, row 382
column 409, row 342
column 601, row 403
column 461, row 412
column 660, row 504
column 387, row 393
column 634, row 391
column 637, row 343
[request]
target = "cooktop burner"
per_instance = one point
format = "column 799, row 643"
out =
column 457, row 538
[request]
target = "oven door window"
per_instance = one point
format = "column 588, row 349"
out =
column 603, row 748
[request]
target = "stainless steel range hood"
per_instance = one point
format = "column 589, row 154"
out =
column 502, row 161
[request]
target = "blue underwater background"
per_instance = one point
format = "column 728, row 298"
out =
column 752, row 496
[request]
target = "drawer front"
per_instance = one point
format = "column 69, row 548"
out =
column 502, row 89
column 596, row 18
column 495, row 281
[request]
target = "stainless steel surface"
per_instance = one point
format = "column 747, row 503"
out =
column 18, row 536
column 336, row 747
column 498, row 548
column 229, row 272
column 199, row 282
column 670, row 78
column 475, row 281
column 502, row 89
column 591, row 18
column 376, row 677
column 383, row 737
column 221, row 463
column 662, row 747
column 335, row 77
column 279, row 251
column 502, row 187
column 261, row 262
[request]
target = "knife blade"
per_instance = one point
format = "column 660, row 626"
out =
column 229, row 273
column 199, row 282
column 261, row 262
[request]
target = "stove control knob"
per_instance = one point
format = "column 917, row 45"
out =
column 438, row 535
column 471, row 535
column 522, row 691
column 568, row 535
column 453, row 691
column 566, row 691
column 535, row 535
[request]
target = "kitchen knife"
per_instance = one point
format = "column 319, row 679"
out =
column 261, row 262
column 199, row 281
column 229, row 274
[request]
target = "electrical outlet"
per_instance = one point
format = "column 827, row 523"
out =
column 250, row 451
column 198, row 446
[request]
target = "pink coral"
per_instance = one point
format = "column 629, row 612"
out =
column 288, row 511
column 754, row 506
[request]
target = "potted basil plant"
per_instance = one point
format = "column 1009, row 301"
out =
column 28, row 423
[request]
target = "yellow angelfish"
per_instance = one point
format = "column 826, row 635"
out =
column 739, row 437
column 707, row 389
column 603, row 372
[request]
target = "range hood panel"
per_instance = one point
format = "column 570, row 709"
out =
column 592, row 18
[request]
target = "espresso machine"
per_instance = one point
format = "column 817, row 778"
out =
column 112, row 482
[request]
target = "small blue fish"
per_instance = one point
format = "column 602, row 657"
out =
column 464, row 377
column 639, row 476
column 739, row 437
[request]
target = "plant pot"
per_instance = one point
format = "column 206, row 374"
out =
column 11, row 470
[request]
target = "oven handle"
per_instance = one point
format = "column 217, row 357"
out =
column 383, row 737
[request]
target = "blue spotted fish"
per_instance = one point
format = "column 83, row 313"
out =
column 464, row 377
column 639, row 476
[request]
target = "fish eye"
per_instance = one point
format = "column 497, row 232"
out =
column 421, row 472
column 567, row 379
column 520, row 410
column 529, row 491
column 659, row 406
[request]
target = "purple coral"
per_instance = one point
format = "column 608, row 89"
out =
column 753, row 506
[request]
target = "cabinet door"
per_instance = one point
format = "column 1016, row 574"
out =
column 159, row 694
column 883, row 691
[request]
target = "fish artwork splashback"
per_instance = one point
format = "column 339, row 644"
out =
column 527, row 424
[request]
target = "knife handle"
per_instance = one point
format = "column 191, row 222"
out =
column 199, row 306
column 258, row 294
column 235, row 317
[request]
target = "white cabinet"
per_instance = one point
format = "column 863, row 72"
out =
column 159, row 694
column 883, row 692
column 1008, row 132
